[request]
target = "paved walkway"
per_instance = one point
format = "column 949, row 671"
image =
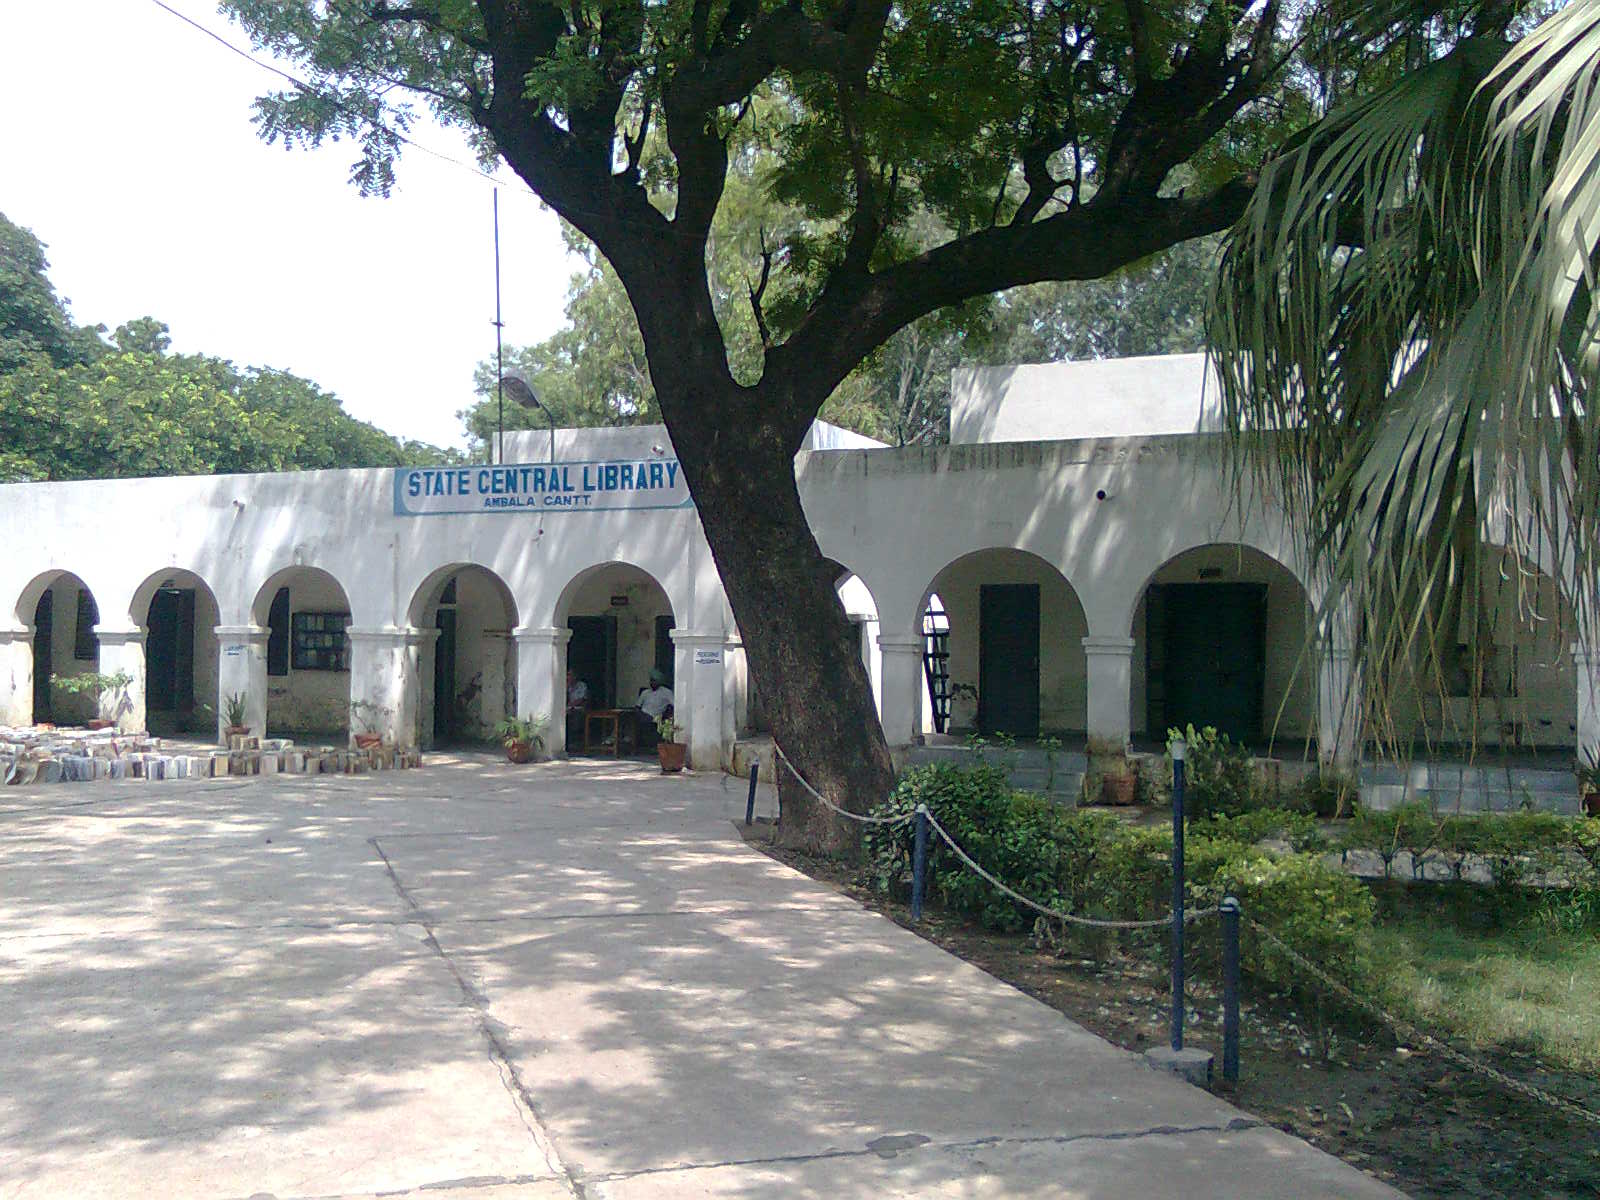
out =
column 478, row 981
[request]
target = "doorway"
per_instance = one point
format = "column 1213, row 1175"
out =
column 592, row 657
column 169, row 656
column 43, row 657
column 1212, row 646
column 1008, row 659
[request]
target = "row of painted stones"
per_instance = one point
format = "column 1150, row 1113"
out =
column 77, row 768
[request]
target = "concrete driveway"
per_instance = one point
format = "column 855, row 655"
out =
column 481, row 981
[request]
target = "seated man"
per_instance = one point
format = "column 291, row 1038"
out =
column 654, row 701
column 577, row 708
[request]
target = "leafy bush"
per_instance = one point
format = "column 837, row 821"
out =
column 1220, row 777
column 1046, row 852
column 1320, row 911
column 1297, row 829
column 1328, row 793
column 1091, row 863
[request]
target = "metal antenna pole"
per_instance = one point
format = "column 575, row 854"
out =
column 499, row 351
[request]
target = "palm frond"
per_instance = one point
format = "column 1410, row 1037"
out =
column 1405, row 332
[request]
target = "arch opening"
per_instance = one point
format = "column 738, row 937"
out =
column 468, row 677
column 1503, row 678
column 621, row 657
column 63, row 613
column 1220, row 637
column 1003, row 652
column 306, row 613
column 179, row 614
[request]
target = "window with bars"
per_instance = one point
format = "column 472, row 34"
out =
column 318, row 641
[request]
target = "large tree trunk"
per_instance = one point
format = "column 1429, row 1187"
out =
column 802, row 650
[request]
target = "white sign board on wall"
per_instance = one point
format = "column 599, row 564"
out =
column 650, row 483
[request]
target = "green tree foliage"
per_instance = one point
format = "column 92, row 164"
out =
column 33, row 319
column 74, row 407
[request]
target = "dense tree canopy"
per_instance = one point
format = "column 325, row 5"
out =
column 73, row 406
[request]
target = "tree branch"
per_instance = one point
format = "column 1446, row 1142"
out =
column 1088, row 241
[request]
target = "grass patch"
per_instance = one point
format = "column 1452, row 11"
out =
column 1494, row 972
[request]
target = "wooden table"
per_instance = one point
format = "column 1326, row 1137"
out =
column 620, row 718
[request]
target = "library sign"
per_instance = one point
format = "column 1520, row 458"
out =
column 541, row 487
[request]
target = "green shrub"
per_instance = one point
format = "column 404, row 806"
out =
column 1328, row 793
column 1219, row 777
column 1048, row 853
column 1318, row 910
column 1297, row 829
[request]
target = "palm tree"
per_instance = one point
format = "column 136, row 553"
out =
column 1405, row 331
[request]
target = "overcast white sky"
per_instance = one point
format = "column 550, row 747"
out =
column 126, row 145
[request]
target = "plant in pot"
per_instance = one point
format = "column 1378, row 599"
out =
column 367, row 717
column 1589, row 783
column 93, row 685
column 669, row 751
column 523, row 737
column 1111, row 778
column 233, row 712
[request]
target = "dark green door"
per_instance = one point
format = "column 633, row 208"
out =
column 169, row 651
column 44, row 619
column 444, row 677
column 1215, row 640
column 1008, row 659
column 592, row 656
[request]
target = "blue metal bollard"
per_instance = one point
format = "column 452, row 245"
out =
column 919, row 864
column 750, row 801
column 1230, row 989
column 1178, row 750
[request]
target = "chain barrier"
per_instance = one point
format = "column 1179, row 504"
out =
column 1189, row 916
column 821, row 799
column 1401, row 1027
column 1411, row 1033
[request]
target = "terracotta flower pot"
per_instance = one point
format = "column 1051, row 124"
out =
column 671, row 755
column 237, row 730
column 519, row 752
column 98, row 723
column 1118, row 789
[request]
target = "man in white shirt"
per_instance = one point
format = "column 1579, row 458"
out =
column 654, row 701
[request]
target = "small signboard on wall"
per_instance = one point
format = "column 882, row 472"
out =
column 707, row 658
column 635, row 484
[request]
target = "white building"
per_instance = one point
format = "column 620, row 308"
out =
column 1073, row 563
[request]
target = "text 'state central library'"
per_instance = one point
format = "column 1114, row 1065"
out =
column 1073, row 562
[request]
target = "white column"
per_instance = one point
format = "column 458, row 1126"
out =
column 492, row 699
column 384, row 688
column 242, row 671
column 699, row 662
column 732, row 677
column 1110, row 686
column 1586, row 661
column 542, row 681
column 900, row 688
column 1338, row 706
column 16, row 676
column 122, row 652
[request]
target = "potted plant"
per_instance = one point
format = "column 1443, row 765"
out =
column 669, row 751
column 368, row 717
column 523, row 737
column 1589, row 783
column 1111, row 778
column 94, row 685
column 233, row 712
